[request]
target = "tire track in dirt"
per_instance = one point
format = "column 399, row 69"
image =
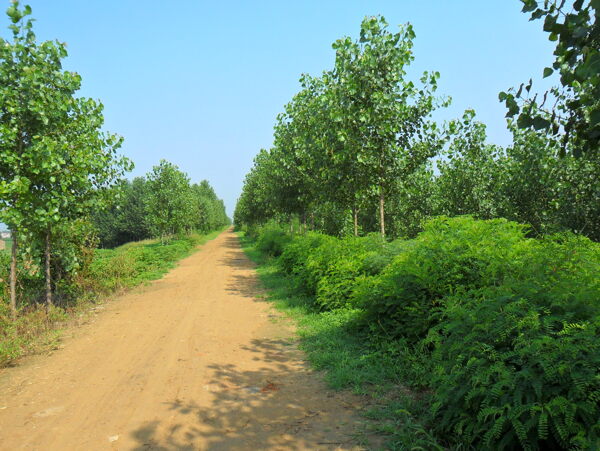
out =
column 192, row 361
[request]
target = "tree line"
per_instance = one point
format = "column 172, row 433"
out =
column 357, row 150
column 161, row 204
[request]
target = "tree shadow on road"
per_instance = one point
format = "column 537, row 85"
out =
column 275, row 401
column 282, row 406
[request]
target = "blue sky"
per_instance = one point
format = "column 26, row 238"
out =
column 200, row 83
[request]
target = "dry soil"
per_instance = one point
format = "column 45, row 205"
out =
column 195, row 360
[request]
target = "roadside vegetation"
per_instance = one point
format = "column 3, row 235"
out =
column 37, row 328
column 453, row 280
column 470, row 335
column 63, row 194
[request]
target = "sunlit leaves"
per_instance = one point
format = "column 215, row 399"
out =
column 573, row 116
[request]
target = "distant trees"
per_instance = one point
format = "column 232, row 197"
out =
column 159, row 205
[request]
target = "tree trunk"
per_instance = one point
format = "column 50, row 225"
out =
column 382, row 211
column 48, row 274
column 355, row 217
column 13, row 273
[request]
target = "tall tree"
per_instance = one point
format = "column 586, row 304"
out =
column 382, row 113
column 169, row 205
column 55, row 159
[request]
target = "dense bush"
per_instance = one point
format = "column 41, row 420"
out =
column 272, row 240
column 519, row 363
column 327, row 267
column 451, row 256
column 511, row 371
column 505, row 327
column 295, row 256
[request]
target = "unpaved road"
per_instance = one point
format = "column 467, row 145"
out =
column 193, row 361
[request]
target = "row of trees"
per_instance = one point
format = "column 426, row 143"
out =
column 349, row 134
column 56, row 163
column 356, row 151
column 161, row 204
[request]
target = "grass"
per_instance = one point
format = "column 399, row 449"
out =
column 38, row 329
column 334, row 344
column 7, row 245
column 138, row 262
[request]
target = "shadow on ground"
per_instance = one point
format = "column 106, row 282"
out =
column 278, row 404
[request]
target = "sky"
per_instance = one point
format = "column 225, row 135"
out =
column 200, row 83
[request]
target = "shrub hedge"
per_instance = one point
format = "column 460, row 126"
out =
column 510, row 324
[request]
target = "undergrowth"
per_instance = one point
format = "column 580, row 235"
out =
column 334, row 344
column 470, row 336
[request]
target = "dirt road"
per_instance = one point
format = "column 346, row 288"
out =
column 193, row 361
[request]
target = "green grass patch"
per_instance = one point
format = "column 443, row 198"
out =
column 334, row 344
column 138, row 262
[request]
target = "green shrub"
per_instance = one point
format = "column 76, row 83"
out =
column 451, row 256
column 294, row 258
column 518, row 365
column 501, row 329
column 378, row 259
column 272, row 240
column 510, row 375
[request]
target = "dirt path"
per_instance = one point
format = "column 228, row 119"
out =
column 193, row 361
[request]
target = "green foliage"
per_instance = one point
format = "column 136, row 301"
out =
column 574, row 117
column 500, row 329
column 451, row 256
column 518, row 364
column 272, row 240
column 125, row 220
column 169, row 205
column 161, row 204
column 356, row 149
column 56, row 162
column 349, row 359
column 346, row 137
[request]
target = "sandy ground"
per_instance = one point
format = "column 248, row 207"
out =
column 193, row 361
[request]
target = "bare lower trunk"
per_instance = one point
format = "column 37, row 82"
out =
column 48, row 274
column 13, row 274
column 355, row 217
column 382, row 211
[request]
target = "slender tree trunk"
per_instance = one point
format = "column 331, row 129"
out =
column 355, row 217
column 13, row 273
column 48, row 274
column 382, row 211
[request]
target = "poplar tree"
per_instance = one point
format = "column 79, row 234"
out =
column 55, row 162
